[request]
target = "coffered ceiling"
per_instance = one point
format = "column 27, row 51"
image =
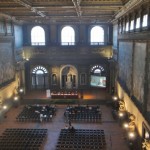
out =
column 61, row 11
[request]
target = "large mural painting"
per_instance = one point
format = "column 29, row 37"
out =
column 139, row 71
column 7, row 71
column 125, row 62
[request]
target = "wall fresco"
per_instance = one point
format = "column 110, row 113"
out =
column 7, row 71
column 125, row 63
column 139, row 71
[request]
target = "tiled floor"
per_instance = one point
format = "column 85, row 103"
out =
column 113, row 132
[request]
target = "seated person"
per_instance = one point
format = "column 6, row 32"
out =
column 71, row 128
column 66, row 127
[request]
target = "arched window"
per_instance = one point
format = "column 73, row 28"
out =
column 137, row 23
column 132, row 25
column 67, row 36
column 97, row 36
column 145, row 20
column 127, row 26
column 37, row 36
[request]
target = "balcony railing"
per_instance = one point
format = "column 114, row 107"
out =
column 71, row 44
column 97, row 43
column 67, row 43
column 38, row 43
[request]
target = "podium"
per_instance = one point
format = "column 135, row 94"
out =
column 48, row 93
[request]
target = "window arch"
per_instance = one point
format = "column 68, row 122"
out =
column 97, row 35
column 97, row 69
column 37, row 36
column 39, row 70
column 67, row 36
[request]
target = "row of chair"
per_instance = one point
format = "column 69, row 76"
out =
column 81, row 139
column 83, row 113
column 22, row 139
column 36, row 113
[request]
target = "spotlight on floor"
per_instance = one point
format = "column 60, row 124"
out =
column 125, row 125
column 115, row 98
column 131, row 135
column 4, row 107
column 21, row 90
column 121, row 114
column 16, row 98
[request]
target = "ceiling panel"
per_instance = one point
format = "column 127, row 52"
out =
column 48, row 11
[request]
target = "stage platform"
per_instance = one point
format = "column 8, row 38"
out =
column 92, row 96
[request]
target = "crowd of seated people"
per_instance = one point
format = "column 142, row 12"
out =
column 37, row 113
column 64, row 94
column 19, row 139
column 83, row 113
column 81, row 139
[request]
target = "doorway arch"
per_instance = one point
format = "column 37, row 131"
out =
column 39, row 78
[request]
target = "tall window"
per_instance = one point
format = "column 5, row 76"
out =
column 97, row 36
column 145, row 20
column 37, row 36
column 127, row 26
column 138, row 23
column 67, row 36
column 132, row 25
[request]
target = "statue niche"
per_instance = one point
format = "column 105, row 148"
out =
column 68, row 78
column 69, row 82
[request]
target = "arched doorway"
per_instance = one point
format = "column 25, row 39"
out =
column 69, row 77
column 39, row 78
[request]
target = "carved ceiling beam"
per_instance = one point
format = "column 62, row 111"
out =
column 77, row 7
column 11, row 18
column 27, row 4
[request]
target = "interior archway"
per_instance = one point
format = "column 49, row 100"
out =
column 69, row 77
column 39, row 78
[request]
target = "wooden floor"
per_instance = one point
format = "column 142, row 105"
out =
column 113, row 131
